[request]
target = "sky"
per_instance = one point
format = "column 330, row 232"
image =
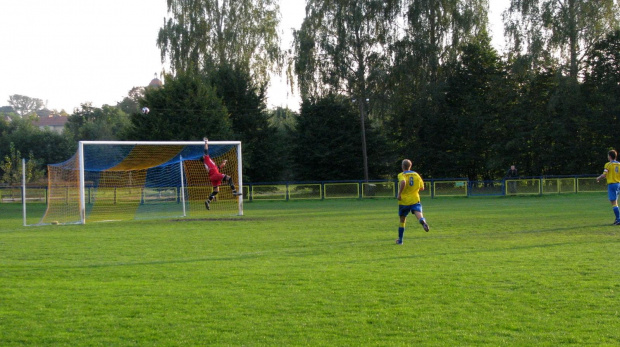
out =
column 69, row 52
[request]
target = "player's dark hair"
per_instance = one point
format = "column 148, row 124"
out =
column 613, row 154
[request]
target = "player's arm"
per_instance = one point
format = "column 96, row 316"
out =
column 223, row 163
column 603, row 175
column 401, row 187
column 421, row 184
column 206, row 146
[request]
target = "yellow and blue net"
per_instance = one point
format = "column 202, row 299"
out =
column 140, row 181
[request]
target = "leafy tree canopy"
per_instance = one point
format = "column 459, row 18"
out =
column 562, row 30
column 25, row 105
column 186, row 108
column 203, row 34
column 93, row 123
column 12, row 171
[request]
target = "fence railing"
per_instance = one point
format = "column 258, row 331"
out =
column 433, row 188
column 377, row 189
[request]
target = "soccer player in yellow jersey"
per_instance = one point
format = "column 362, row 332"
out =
column 409, row 186
column 612, row 173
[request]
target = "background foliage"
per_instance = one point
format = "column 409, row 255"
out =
column 431, row 89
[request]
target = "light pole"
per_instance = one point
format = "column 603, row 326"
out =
column 362, row 108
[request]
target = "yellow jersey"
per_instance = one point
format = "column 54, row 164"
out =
column 413, row 183
column 612, row 172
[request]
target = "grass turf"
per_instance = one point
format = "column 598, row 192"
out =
column 492, row 271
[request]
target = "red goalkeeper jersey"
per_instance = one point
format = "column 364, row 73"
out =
column 214, row 172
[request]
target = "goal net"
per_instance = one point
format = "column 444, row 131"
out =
column 123, row 180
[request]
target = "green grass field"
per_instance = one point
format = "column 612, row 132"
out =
column 492, row 271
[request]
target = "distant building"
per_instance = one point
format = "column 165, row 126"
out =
column 48, row 119
column 155, row 83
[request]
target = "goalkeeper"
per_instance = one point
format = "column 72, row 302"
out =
column 215, row 176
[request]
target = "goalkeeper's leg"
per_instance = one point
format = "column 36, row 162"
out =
column 232, row 185
column 211, row 197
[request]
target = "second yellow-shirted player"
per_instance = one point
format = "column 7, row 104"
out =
column 409, row 186
column 612, row 173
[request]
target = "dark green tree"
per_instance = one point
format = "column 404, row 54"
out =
column 425, row 57
column 459, row 121
column 342, row 47
column 131, row 103
column 602, row 94
column 549, row 128
column 245, row 102
column 284, row 120
column 12, row 171
column 473, row 100
column 45, row 146
column 326, row 144
column 93, row 123
column 49, row 147
column 185, row 108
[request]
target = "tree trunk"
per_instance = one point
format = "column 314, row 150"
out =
column 572, row 32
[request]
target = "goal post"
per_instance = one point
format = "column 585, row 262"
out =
column 122, row 180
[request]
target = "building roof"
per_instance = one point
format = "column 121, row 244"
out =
column 155, row 82
column 52, row 121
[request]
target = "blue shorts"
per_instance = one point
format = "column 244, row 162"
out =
column 403, row 210
column 613, row 191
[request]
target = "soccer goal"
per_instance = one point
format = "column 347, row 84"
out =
column 129, row 180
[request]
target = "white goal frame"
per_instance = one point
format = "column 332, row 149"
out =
column 82, row 187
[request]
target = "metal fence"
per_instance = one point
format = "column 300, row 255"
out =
column 434, row 188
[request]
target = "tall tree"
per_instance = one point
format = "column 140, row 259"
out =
column 559, row 29
column 131, row 103
column 93, row 123
column 185, row 108
column 204, row 34
column 284, row 121
column 473, row 99
column 326, row 143
column 11, row 167
column 342, row 47
column 602, row 92
column 436, row 29
column 325, row 149
column 46, row 145
column 25, row 105
column 245, row 102
column 459, row 121
column 425, row 55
